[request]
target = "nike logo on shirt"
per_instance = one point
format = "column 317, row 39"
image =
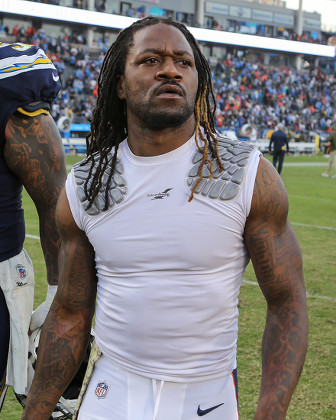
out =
column 207, row 410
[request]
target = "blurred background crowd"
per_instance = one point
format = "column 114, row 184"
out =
column 247, row 91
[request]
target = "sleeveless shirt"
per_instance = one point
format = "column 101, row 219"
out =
column 169, row 271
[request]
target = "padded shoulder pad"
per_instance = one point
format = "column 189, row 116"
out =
column 117, row 187
column 27, row 75
column 224, row 185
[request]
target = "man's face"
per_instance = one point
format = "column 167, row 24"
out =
column 160, row 80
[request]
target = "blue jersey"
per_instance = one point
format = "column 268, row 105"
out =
column 26, row 75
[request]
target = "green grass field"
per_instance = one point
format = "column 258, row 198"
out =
column 312, row 201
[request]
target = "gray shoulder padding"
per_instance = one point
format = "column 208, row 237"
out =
column 224, row 185
column 117, row 187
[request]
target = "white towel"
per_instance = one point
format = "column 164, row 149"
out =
column 17, row 284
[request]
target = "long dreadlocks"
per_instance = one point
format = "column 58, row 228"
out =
column 109, row 124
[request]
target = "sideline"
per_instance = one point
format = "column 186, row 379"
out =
column 309, row 295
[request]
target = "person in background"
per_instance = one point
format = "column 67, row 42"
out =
column 158, row 224
column 331, row 139
column 278, row 147
column 31, row 155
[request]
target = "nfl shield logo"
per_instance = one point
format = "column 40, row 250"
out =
column 101, row 389
column 22, row 272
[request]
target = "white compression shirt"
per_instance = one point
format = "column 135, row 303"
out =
column 169, row 271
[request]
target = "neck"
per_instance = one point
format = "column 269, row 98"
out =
column 153, row 142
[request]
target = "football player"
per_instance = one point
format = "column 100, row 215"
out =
column 31, row 155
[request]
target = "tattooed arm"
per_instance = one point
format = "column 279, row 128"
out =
column 276, row 257
column 34, row 153
column 66, row 331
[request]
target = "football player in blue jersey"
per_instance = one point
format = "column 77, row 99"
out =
column 31, row 155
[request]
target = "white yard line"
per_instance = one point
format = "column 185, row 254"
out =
column 309, row 295
column 305, row 163
column 309, row 197
column 314, row 226
column 32, row 236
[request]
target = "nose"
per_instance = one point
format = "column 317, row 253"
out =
column 168, row 70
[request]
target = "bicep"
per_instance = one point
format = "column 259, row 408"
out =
column 35, row 154
column 271, row 241
column 77, row 274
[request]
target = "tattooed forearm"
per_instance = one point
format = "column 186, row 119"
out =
column 66, row 330
column 61, row 349
column 278, row 267
column 277, row 261
column 283, row 354
column 35, row 153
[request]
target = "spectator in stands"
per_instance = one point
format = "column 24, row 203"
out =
column 78, row 4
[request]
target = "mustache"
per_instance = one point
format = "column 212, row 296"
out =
column 171, row 83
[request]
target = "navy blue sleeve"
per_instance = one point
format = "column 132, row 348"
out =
column 26, row 75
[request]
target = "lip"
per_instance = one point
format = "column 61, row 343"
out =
column 169, row 90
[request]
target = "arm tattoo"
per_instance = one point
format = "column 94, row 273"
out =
column 66, row 331
column 277, row 262
column 34, row 153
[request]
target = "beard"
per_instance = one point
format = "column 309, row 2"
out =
column 153, row 116
column 158, row 118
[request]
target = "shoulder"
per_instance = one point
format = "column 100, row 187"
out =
column 270, row 201
column 223, row 183
column 22, row 64
column 100, row 172
column 26, row 75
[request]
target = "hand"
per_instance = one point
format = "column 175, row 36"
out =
column 40, row 313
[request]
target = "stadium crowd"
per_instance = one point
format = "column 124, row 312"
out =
column 247, row 91
column 210, row 23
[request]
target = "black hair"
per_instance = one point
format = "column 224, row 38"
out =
column 109, row 124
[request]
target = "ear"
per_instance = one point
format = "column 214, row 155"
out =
column 121, row 87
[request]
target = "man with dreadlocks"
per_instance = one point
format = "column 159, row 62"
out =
column 159, row 222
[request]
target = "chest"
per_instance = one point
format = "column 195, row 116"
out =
column 157, row 228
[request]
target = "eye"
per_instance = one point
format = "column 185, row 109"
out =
column 150, row 60
column 184, row 62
